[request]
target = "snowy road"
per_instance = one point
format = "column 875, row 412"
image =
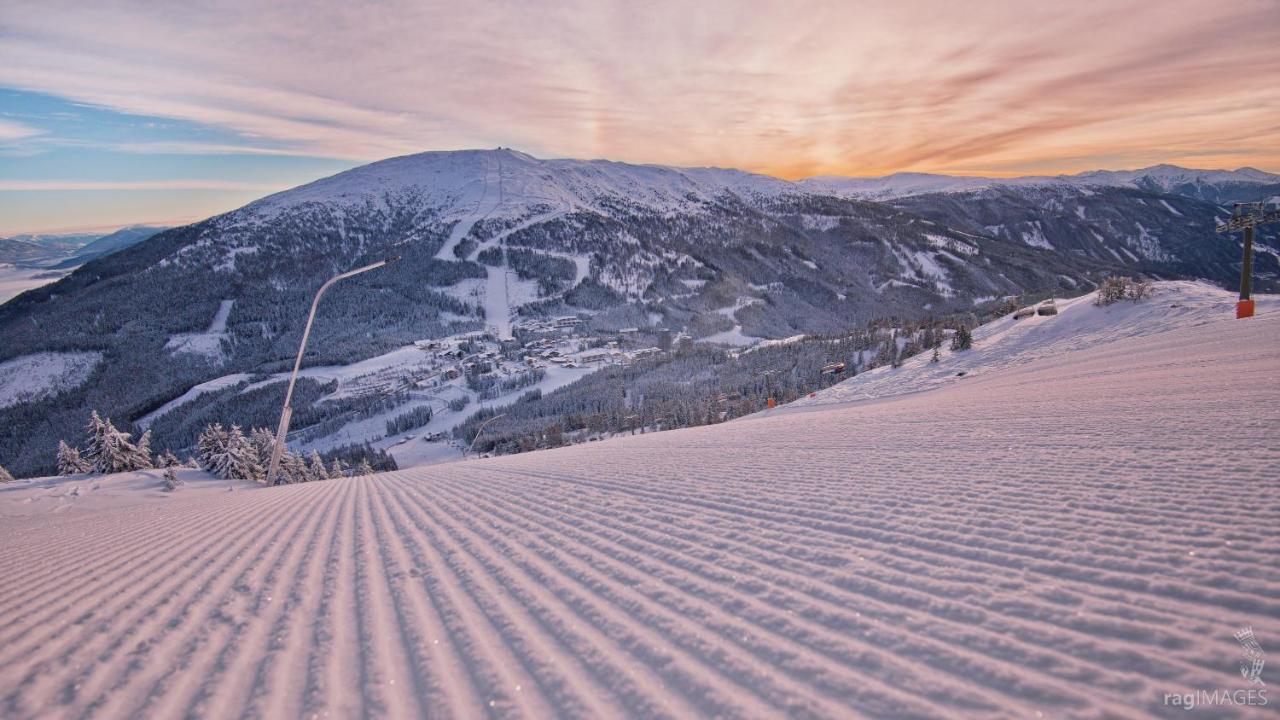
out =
column 1075, row 537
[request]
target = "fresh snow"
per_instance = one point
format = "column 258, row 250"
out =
column 207, row 343
column 87, row 492
column 194, row 392
column 33, row 377
column 1075, row 535
column 1006, row 343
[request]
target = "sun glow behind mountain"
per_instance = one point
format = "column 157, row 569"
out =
column 179, row 111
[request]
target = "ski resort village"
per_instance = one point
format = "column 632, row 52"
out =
column 821, row 360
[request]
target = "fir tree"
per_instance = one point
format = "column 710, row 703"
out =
column 5, row 476
column 138, row 457
column 963, row 339
column 264, row 442
column 228, row 454
column 240, row 459
column 69, row 460
column 210, row 446
column 293, row 469
column 317, row 469
column 110, row 450
column 336, row 469
column 937, row 355
column 365, row 467
column 171, row 480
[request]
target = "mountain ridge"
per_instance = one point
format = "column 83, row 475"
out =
column 493, row 240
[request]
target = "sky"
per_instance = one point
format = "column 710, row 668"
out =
column 118, row 112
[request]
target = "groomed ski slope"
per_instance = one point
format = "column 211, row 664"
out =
column 1072, row 537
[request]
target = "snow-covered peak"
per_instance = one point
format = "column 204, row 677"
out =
column 455, row 182
column 1167, row 177
column 1162, row 178
column 896, row 185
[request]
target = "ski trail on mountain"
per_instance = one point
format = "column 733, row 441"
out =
column 1072, row 537
column 490, row 200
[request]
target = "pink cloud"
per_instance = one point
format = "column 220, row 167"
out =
column 826, row 87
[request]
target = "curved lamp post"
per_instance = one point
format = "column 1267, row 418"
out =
column 278, row 449
column 472, row 448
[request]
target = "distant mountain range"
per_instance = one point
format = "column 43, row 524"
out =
column 1219, row 186
column 69, row 250
column 490, row 239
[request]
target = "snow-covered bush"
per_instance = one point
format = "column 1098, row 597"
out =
column 1114, row 289
column 171, row 479
column 4, row 475
column 1139, row 290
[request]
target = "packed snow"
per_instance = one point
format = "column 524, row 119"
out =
column 37, row 376
column 1006, row 343
column 1076, row 535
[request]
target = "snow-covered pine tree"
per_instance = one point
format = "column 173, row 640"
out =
column 963, row 339
column 317, row 471
column 937, row 354
column 336, row 469
column 96, row 432
column 264, row 442
column 293, row 469
column 171, row 480
column 210, row 446
column 109, row 449
column 69, row 460
column 138, row 457
column 167, row 459
column 365, row 467
column 239, row 460
column 5, row 476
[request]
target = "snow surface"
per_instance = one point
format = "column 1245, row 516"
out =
column 1071, row 537
column 1006, row 343
column 194, row 392
column 87, row 492
column 207, row 343
column 32, row 377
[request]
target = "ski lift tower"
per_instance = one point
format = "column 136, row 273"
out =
column 1246, row 217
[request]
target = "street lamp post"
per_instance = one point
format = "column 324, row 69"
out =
column 273, row 468
column 472, row 447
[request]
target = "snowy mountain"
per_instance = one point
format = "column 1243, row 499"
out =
column 496, row 241
column 1081, row 534
column 1139, row 231
column 1242, row 185
column 113, row 242
column 69, row 250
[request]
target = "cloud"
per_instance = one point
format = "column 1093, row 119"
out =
column 821, row 87
column 151, row 185
column 11, row 131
